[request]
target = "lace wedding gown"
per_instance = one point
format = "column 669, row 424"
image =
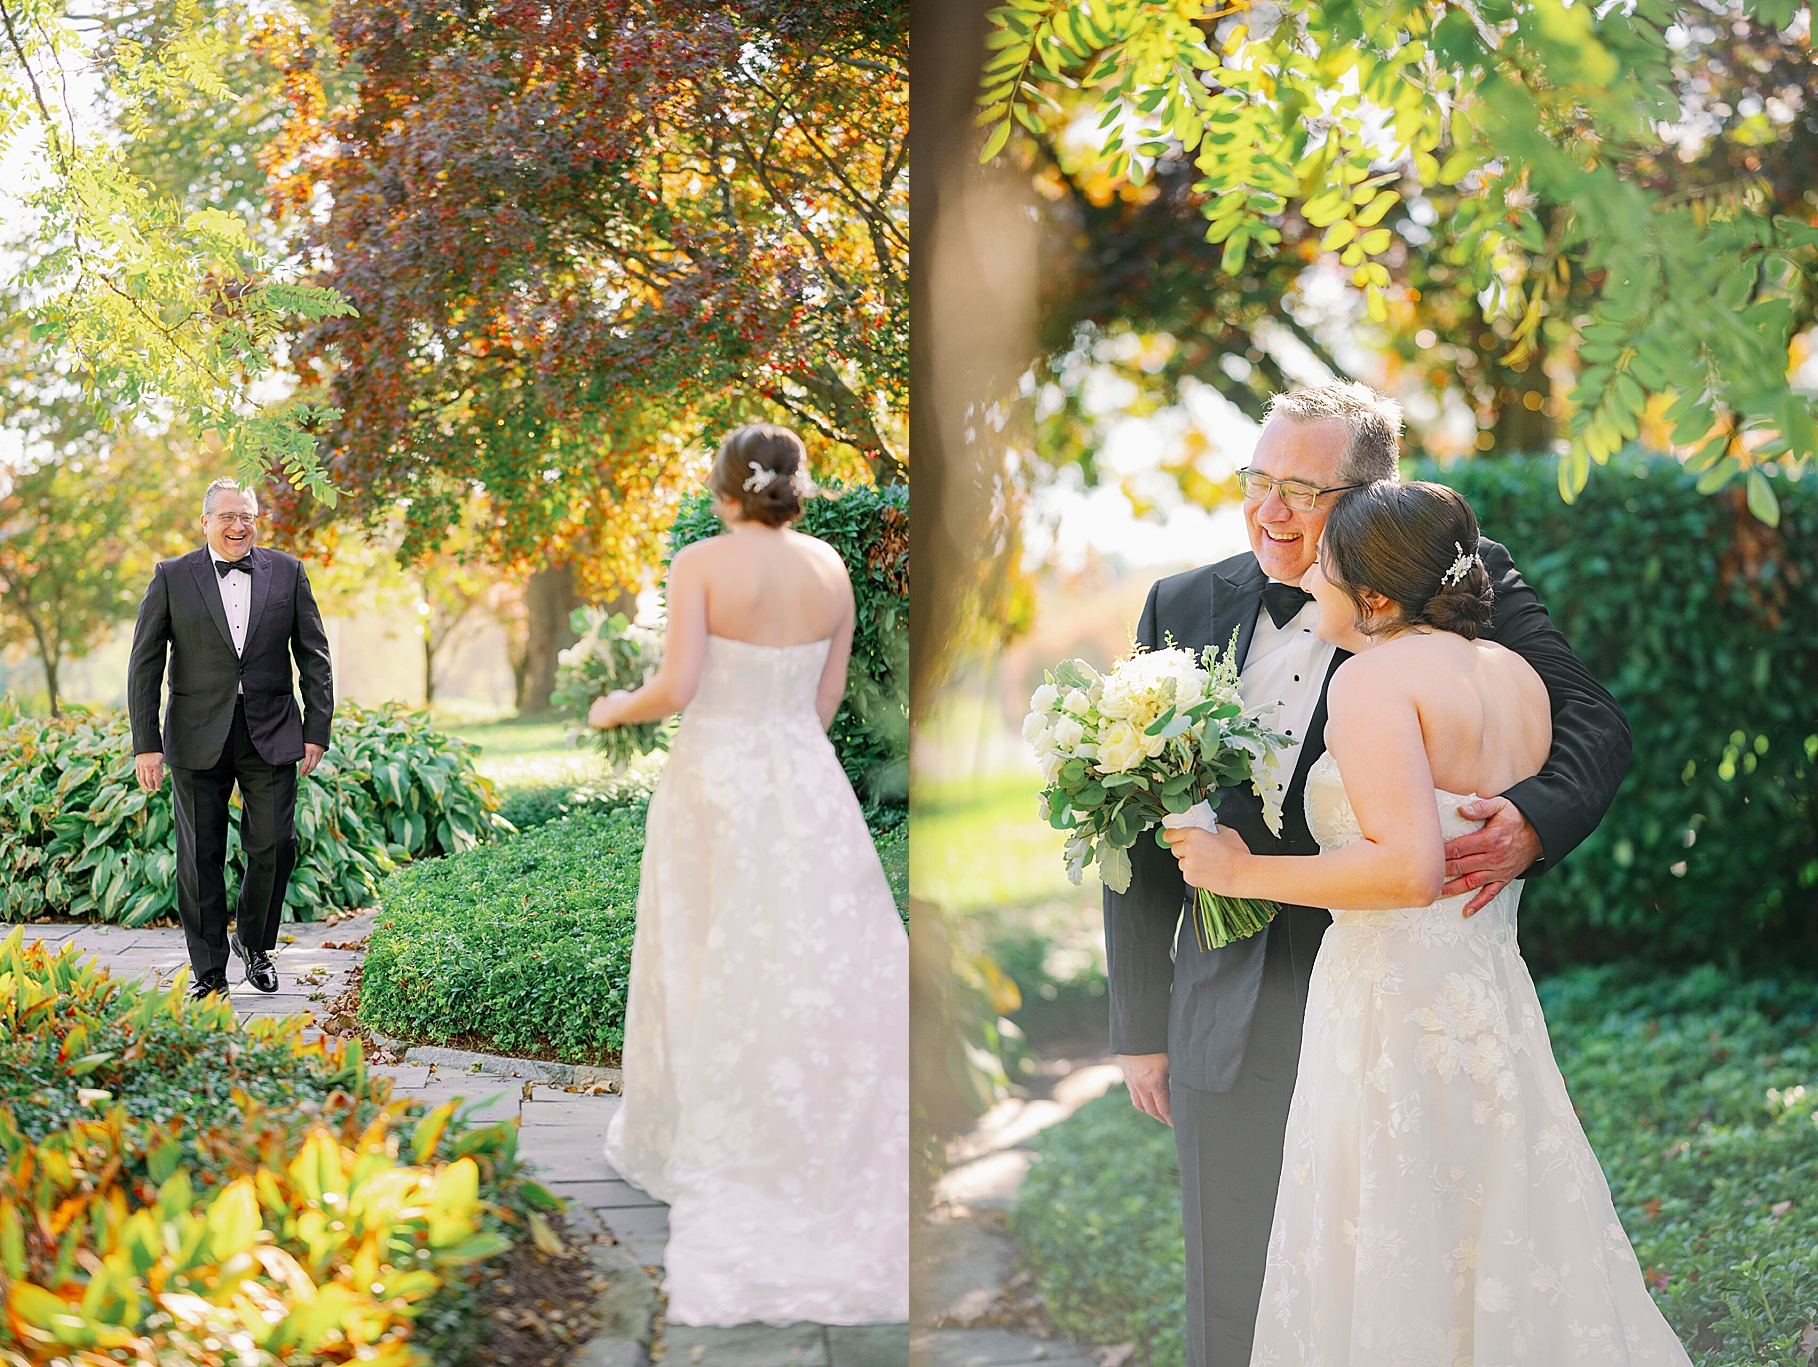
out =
column 766, row 1093
column 1439, row 1204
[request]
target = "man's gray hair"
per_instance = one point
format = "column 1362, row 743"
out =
column 1372, row 419
column 229, row 486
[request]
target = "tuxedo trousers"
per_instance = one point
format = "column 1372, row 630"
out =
column 1230, row 1146
column 268, row 836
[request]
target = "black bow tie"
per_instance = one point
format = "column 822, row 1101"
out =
column 1283, row 601
column 223, row 566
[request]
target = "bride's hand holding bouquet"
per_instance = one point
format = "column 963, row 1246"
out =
column 1149, row 744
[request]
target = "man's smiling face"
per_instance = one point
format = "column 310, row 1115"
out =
column 231, row 525
column 1285, row 540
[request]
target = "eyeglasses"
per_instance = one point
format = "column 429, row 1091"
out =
column 237, row 519
column 1302, row 498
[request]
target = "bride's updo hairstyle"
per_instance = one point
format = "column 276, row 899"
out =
column 1416, row 545
column 764, row 470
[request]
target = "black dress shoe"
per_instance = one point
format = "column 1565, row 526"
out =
column 208, row 986
column 260, row 971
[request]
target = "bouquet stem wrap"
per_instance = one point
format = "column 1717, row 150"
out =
column 1217, row 919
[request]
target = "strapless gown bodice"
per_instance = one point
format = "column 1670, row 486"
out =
column 1334, row 825
column 753, row 685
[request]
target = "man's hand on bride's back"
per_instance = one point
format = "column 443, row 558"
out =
column 1146, row 1075
column 1485, row 861
column 150, row 770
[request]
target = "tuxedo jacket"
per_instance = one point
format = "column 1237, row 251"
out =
column 1198, row 1008
column 182, row 619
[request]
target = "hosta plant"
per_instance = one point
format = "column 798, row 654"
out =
column 80, row 839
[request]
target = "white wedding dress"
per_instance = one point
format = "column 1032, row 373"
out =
column 766, row 1093
column 1439, row 1203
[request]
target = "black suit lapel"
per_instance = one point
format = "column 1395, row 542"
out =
column 1235, row 602
column 208, row 584
column 261, row 589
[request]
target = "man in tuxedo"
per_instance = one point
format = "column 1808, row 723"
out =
column 229, row 617
column 1209, row 1040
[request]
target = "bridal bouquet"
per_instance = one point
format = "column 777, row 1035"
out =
column 1146, row 745
column 613, row 653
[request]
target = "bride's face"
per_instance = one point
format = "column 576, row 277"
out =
column 1337, row 613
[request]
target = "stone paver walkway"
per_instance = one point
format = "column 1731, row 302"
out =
column 559, row 1132
column 964, row 1270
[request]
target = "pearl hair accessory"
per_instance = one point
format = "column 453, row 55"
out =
column 1460, row 567
column 759, row 479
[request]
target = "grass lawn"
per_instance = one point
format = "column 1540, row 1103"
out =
column 519, row 754
column 1698, row 1090
column 980, row 846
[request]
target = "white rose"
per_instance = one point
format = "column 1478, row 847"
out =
column 1035, row 725
column 1044, row 698
column 1115, row 700
column 1069, row 733
column 1120, row 746
column 1077, row 702
column 1045, row 744
column 1051, row 766
column 1154, row 745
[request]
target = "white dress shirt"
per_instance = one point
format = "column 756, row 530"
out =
column 1287, row 666
column 236, row 597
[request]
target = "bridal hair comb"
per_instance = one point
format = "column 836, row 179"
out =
column 1460, row 567
column 759, row 479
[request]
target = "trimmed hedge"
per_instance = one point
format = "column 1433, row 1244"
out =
column 1699, row 1093
column 869, row 526
column 524, row 947
column 1703, row 624
column 79, row 839
column 175, row 1183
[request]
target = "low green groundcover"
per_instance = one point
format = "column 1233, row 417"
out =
column 1699, row 1092
column 524, row 947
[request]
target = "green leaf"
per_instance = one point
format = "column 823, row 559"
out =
column 1762, row 501
column 995, row 143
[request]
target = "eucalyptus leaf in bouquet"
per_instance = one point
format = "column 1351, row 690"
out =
column 1153, row 739
column 614, row 652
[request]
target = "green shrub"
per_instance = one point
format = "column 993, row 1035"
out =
column 522, row 946
column 538, row 804
column 869, row 526
column 1704, row 626
column 171, row 1180
column 80, row 839
column 1698, row 1091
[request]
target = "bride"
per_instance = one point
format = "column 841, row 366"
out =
column 766, row 1036
column 1439, row 1204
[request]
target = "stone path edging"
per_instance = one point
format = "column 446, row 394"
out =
column 503, row 1065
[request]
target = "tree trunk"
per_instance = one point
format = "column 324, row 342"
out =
column 1523, row 424
column 429, row 668
column 48, row 656
column 549, row 598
